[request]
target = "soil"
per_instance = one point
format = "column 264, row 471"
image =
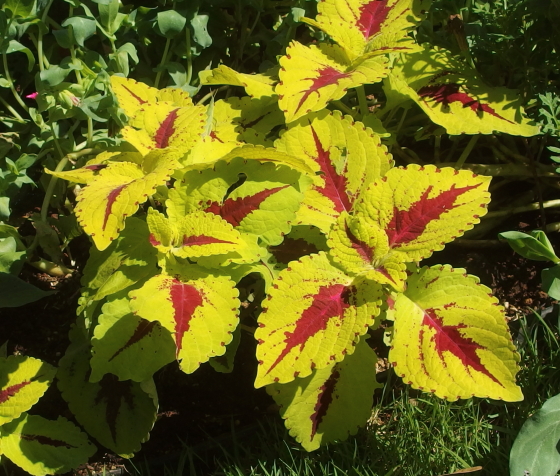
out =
column 203, row 407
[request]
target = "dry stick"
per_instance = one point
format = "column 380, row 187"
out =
column 523, row 209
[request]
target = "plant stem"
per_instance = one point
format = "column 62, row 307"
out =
column 189, row 56
column 58, row 270
column 210, row 94
column 467, row 151
column 89, row 139
column 162, row 62
column 437, row 149
column 43, row 62
column 9, row 79
column 344, row 108
column 362, row 101
column 12, row 110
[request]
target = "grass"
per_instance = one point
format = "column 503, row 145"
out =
column 409, row 433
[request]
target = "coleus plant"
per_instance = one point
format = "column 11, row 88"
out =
column 335, row 231
column 37, row 445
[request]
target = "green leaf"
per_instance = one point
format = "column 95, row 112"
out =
column 126, row 261
column 14, row 46
column 199, row 24
column 127, row 346
column 331, row 403
column 16, row 292
column 119, row 415
column 109, row 16
column 170, row 23
column 535, row 450
column 551, row 281
column 535, row 246
column 11, row 260
column 19, row 8
column 82, row 28
column 23, row 380
column 40, row 446
column 55, row 74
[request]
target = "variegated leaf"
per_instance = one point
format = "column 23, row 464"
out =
column 23, row 380
column 117, row 192
column 133, row 95
column 331, row 403
column 362, row 26
column 127, row 346
column 453, row 95
column 451, row 337
column 361, row 247
column 422, row 208
column 263, row 204
column 311, row 76
column 195, row 235
column 199, row 309
column 313, row 317
column 348, row 155
column 256, row 85
column 40, row 446
column 119, row 415
column 163, row 125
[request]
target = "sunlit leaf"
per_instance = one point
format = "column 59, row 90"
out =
column 451, row 337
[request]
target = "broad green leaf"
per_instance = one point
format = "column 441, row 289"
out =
column 551, row 281
column 264, row 203
column 193, row 236
column 256, row 85
column 199, row 25
column 19, row 8
column 11, row 260
column 311, row 76
column 453, row 95
column 133, row 95
column 362, row 26
column 119, row 415
column 199, row 309
column 313, row 317
column 451, row 337
column 331, row 403
column 535, row 450
column 349, row 158
column 23, row 380
column 170, row 23
column 422, row 208
column 40, row 446
column 535, row 246
column 14, row 46
column 83, row 28
column 16, row 292
column 164, row 125
column 127, row 346
column 127, row 260
column 117, row 192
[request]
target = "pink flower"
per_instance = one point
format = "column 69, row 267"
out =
column 32, row 95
